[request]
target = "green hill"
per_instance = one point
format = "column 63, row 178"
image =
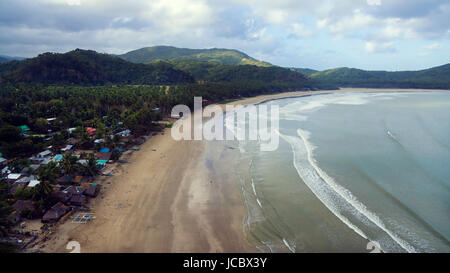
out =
column 87, row 67
column 213, row 55
column 435, row 78
column 305, row 71
column 212, row 72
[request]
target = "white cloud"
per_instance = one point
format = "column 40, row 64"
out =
column 299, row 30
column 429, row 49
column 73, row 2
column 258, row 27
column 374, row 2
column 380, row 47
column 434, row 47
column 358, row 20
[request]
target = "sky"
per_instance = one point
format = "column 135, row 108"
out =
column 319, row 34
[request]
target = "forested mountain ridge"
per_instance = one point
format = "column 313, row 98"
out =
column 211, row 72
column 434, row 78
column 174, row 66
column 170, row 53
column 87, row 67
column 305, row 71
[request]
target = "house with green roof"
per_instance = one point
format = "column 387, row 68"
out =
column 24, row 128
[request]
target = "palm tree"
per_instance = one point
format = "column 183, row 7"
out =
column 41, row 193
column 42, row 190
column 49, row 172
column 69, row 163
column 91, row 169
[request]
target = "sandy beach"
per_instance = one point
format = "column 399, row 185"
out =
column 172, row 196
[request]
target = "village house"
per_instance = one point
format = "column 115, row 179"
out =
column 34, row 167
column 65, row 179
column 21, row 205
column 44, row 154
column 36, row 160
column 78, row 200
column 124, row 133
column 91, row 131
column 57, row 158
column 33, row 183
column 12, row 177
column 24, row 129
column 24, row 180
column 75, row 190
column 25, row 171
column 67, row 148
column 98, row 141
column 103, row 155
column 6, row 171
column 19, row 184
column 55, row 213
column 93, row 190
column 62, row 196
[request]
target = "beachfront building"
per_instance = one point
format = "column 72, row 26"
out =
column 55, row 213
column 93, row 190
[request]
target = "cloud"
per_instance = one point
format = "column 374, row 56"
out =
column 434, row 47
column 73, row 2
column 347, row 26
column 429, row 49
column 374, row 2
column 299, row 30
column 262, row 28
column 380, row 47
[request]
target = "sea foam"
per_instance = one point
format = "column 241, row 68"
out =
column 335, row 197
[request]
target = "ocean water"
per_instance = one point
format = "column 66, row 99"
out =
column 354, row 172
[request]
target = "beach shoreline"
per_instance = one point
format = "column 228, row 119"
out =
column 172, row 196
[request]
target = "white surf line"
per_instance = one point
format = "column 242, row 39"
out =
column 352, row 200
column 259, row 203
column 253, row 186
column 332, row 209
column 288, row 246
